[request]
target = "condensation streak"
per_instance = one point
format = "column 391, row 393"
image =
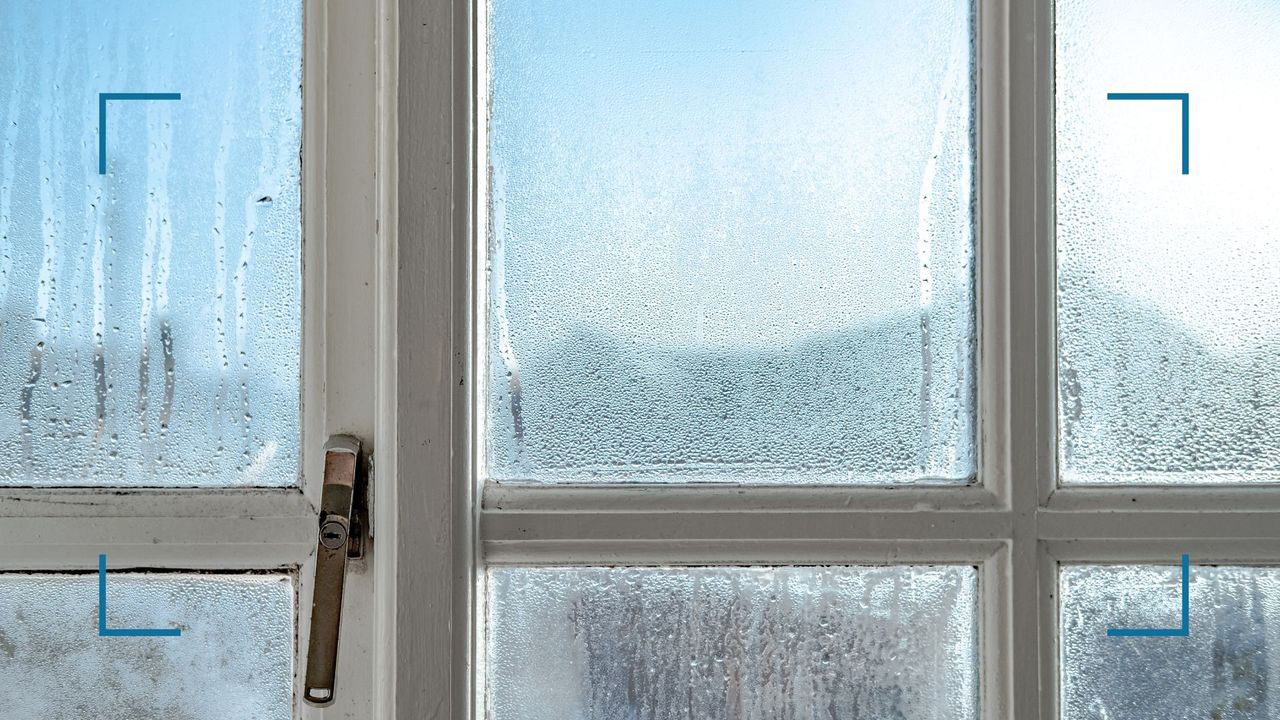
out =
column 219, row 236
column 498, row 280
column 955, row 84
column 12, row 116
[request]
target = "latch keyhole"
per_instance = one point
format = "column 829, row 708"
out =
column 333, row 534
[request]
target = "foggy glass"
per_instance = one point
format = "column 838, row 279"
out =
column 150, row 316
column 1221, row 671
column 1168, row 313
column 730, row 242
column 764, row 643
column 234, row 658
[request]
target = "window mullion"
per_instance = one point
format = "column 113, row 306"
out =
column 1029, row 292
column 431, row 629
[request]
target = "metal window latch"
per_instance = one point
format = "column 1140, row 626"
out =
column 343, row 520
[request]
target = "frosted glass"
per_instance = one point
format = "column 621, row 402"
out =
column 149, row 317
column 730, row 241
column 234, row 658
column 1221, row 671
column 732, row 643
column 1168, row 313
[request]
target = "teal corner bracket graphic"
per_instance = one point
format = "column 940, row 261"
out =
column 103, row 630
column 103, row 98
column 1183, row 631
column 1185, row 98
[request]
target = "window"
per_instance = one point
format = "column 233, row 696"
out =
column 662, row 442
column 719, row 359
column 706, row 263
column 186, row 317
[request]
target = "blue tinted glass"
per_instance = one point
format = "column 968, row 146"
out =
column 730, row 241
column 149, row 315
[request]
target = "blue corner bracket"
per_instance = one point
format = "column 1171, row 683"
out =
column 1185, row 98
column 1183, row 631
column 103, row 630
column 102, row 118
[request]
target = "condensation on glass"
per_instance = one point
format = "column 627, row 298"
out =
column 732, row 643
column 1222, row 670
column 1168, row 307
column 234, row 658
column 730, row 241
column 149, row 316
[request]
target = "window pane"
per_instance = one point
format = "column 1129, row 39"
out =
column 1169, row 318
column 730, row 241
column 732, row 643
column 149, row 316
column 1223, row 669
column 234, row 658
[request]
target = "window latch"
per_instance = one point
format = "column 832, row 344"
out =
column 343, row 520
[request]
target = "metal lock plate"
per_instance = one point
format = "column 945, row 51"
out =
column 337, row 541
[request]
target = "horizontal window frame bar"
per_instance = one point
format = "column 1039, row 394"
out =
column 1258, row 552
column 200, row 529
column 52, row 502
column 1095, row 551
column 70, row 542
column 1157, row 525
column 1179, row 498
column 738, row 553
column 728, row 498
column 504, row 526
column 666, row 532
column 689, row 498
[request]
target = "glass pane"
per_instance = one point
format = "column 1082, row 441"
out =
column 1221, row 670
column 730, row 241
column 234, row 658
column 1168, row 314
column 732, row 643
column 149, row 316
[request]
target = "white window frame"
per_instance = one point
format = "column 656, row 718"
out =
column 343, row 354
column 396, row 119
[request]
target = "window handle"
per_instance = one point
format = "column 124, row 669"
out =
column 341, row 537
